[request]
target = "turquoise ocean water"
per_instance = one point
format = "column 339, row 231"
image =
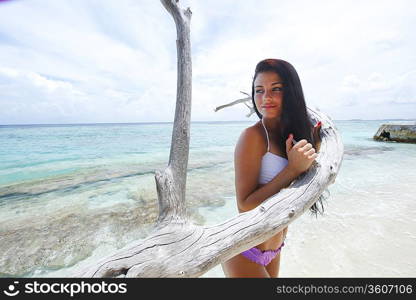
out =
column 71, row 194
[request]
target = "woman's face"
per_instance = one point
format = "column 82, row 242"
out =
column 268, row 94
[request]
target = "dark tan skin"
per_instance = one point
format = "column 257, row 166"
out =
column 251, row 147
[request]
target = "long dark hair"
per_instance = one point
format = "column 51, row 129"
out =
column 294, row 118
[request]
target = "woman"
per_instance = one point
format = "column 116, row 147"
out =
column 267, row 158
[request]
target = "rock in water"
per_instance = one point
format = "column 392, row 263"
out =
column 403, row 133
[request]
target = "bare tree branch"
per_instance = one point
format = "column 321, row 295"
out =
column 171, row 183
column 245, row 101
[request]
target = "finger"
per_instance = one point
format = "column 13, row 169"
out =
column 313, row 156
column 294, row 141
column 317, row 128
column 289, row 145
column 306, row 147
column 318, row 124
column 300, row 144
column 309, row 152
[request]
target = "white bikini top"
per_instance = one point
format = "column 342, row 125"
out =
column 271, row 164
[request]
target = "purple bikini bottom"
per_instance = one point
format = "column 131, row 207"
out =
column 261, row 257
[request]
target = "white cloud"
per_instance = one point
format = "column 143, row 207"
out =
column 106, row 61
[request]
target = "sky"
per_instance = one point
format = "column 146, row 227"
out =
column 102, row 61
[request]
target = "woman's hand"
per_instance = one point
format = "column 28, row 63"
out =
column 300, row 156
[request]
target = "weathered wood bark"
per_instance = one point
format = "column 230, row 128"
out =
column 178, row 248
column 243, row 100
column 171, row 183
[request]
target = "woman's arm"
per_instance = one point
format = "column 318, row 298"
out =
column 247, row 163
column 280, row 181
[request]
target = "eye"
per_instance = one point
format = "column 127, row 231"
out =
column 258, row 91
column 278, row 89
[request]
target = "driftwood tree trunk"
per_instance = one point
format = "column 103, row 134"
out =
column 178, row 248
column 171, row 183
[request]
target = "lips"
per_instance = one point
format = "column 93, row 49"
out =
column 268, row 106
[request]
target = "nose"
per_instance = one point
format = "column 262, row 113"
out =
column 267, row 97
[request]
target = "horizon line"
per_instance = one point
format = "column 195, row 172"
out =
column 171, row 122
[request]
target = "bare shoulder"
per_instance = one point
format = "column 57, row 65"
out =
column 250, row 141
column 252, row 133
